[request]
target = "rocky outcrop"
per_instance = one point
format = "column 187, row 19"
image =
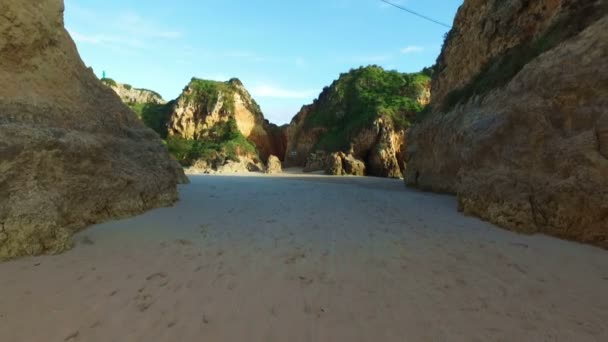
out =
column 341, row 164
column 71, row 154
column 316, row 161
column 204, row 105
column 365, row 112
column 225, row 166
column 519, row 137
column 273, row 165
column 130, row 95
column 382, row 147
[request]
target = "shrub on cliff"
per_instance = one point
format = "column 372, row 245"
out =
column 154, row 115
column 109, row 82
column 222, row 141
column 360, row 96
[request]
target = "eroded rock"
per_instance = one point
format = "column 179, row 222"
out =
column 528, row 155
column 273, row 165
column 339, row 164
column 71, row 154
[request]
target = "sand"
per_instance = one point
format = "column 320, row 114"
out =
column 307, row 258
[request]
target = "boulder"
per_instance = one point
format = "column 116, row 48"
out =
column 341, row 164
column 334, row 165
column 316, row 161
column 352, row 166
column 273, row 165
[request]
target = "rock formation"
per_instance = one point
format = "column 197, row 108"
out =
column 365, row 112
column 71, row 154
column 131, row 96
column 225, row 166
column 206, row 105
column 519, row 120
column 273, row 165
column 316, row 161
column 342, row 164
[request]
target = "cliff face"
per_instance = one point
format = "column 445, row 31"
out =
column 365, row 112
column 519, row 122
column 71, row 154
column 206, row 105
column 132, row 96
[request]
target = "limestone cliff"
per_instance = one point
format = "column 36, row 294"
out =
column 132, row 96
column 365, row 112
column 206, row 110
column 519, row 120
column 71, row 154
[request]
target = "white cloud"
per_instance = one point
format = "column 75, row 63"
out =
column 102, row 39
column 118, row 30
column 411, row 49
column 278, row 92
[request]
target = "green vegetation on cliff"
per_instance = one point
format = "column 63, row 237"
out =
column 109, row 82
column 500, row 70
column 207, row 93
column 222, row 141
column 154, row 115
column 359, row 97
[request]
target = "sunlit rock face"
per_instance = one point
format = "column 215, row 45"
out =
column 71, row 154
column 205, row 104
column 130, row 95
column 364, row 113
column 519, row 120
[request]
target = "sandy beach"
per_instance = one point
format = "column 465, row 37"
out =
column 307, row 258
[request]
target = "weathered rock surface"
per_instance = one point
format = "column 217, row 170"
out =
column 382, row 147
column 348, row 116
column 130, row 95
column 316, row 161
column 334, row 165
column 529, row 155
column 205, row 104
column 71, row 154
column 342, row 164
column 243, row 165
column 273, row 165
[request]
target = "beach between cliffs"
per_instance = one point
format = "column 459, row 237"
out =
column 296, row 257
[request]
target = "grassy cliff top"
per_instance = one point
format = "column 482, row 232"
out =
column 207, row 93
column 362, row 95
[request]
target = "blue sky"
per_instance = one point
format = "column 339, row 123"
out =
column 284, row 51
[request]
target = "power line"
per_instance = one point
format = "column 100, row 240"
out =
column 417, row 14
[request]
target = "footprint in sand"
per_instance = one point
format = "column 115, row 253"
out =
column 183, row 242
column 72, row 336
column 304, row 282
column 143, row 301
column 295, row 257
column 161, row 278
column 87, row 241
